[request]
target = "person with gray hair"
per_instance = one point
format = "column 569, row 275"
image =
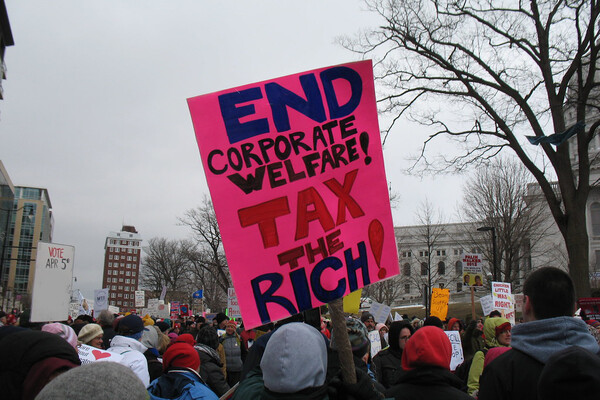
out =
column 105, row 320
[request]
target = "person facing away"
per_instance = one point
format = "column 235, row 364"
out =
column 388, row 362
column 127, row 343
column 549, row 328
column 181, row 379
column 426, row 360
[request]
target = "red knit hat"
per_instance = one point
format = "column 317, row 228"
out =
column 504, row 327
column 186, row 338
column 429, row 346
column 181, row 355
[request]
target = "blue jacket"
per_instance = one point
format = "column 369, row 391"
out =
column 180, row 384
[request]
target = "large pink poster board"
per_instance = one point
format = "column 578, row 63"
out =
column 296, row 175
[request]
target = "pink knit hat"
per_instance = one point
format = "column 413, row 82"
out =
column 62, row 330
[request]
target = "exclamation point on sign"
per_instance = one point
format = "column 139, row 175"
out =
column 376, row 242
column 364, row 143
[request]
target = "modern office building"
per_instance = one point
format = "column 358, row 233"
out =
column 6, row 39
column 122, row 256
column 29, row 221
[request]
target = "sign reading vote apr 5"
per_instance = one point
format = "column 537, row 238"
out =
column 295, row 170
column 52, row 282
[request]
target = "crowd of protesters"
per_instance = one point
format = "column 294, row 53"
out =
column 550, row 355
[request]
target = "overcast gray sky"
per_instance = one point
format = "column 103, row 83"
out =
column 95, row 105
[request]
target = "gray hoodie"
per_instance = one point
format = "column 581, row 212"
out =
column 295, row 358
column 542, row 338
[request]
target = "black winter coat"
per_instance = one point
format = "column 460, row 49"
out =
column 210, row 370
column 427, row 383
column 388, row 367
column 512, row 375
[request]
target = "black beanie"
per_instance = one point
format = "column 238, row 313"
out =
column 220, row 317
column 208, row 336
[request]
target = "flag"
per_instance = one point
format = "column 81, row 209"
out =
column 558, row 138
column 197, row 294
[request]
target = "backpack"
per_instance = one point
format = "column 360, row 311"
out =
column 462, row 371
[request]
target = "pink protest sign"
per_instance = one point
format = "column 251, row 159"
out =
column 296, row 175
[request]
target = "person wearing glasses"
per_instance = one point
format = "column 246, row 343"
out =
column 387, row 363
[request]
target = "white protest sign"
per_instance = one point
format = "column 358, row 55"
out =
column 89, row 354
column 113, row 309
column 74, row 310
column 518, row 300
column 503, row 302
column 233, row 308
column 52, row 280
column 397, row 317
column 487, row 304
column 140, row 298
column 472, row 269
column 163, row 293
column 100, row 300
column 380, row 312
column 457, row 351
column 375, row 340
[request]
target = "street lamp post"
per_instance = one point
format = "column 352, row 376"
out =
column 494, row 259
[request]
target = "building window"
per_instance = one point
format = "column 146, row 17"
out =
column 114, row 287
column 110, row 256
column 127, row 280
column 441, row 268
column 126, row 296
column 406, row 269
column 120, row 280
column 458, row 267
column 423, row 253
column 120, row 287
column 595, row 212
column 423, row 268
column 128, row 258
column 407, row 287
column 406, row 254
column 128, row 273
column 133, row 281
column 441, row 252
column 133, row 273
column 134, row 258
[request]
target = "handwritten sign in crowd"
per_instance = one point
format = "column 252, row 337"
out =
column 295, row 170
column 439, row 302
column 51, row 294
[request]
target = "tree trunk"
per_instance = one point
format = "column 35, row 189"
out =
column 577, row 243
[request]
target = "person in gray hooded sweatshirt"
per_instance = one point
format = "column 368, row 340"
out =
column 293, row 366
column 549, row 328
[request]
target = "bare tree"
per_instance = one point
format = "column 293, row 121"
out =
column 497, row 196
column 166, row 264
column 208, row 257
column 501, row 70
column 422, row 243
column 385, row 292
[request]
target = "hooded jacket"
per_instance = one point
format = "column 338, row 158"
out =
column 180, row 384
column 29, row 358
column 132, row 351
column 426, row 359
column 387, row 363
column 210, row 369
column 515, row 374
column 294, row 365
column 491, row 341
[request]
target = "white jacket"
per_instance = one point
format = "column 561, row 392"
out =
column 132, row 352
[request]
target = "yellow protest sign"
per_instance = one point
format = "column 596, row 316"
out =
column 439, row 303
column 352, row 302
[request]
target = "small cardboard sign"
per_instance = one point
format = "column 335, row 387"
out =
column 503, row 300
column 439, row 303
column 375, row 340
column 472, row 270
column 487, row 304
column 89, row 354
column 380, row 312
column 457, row 351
